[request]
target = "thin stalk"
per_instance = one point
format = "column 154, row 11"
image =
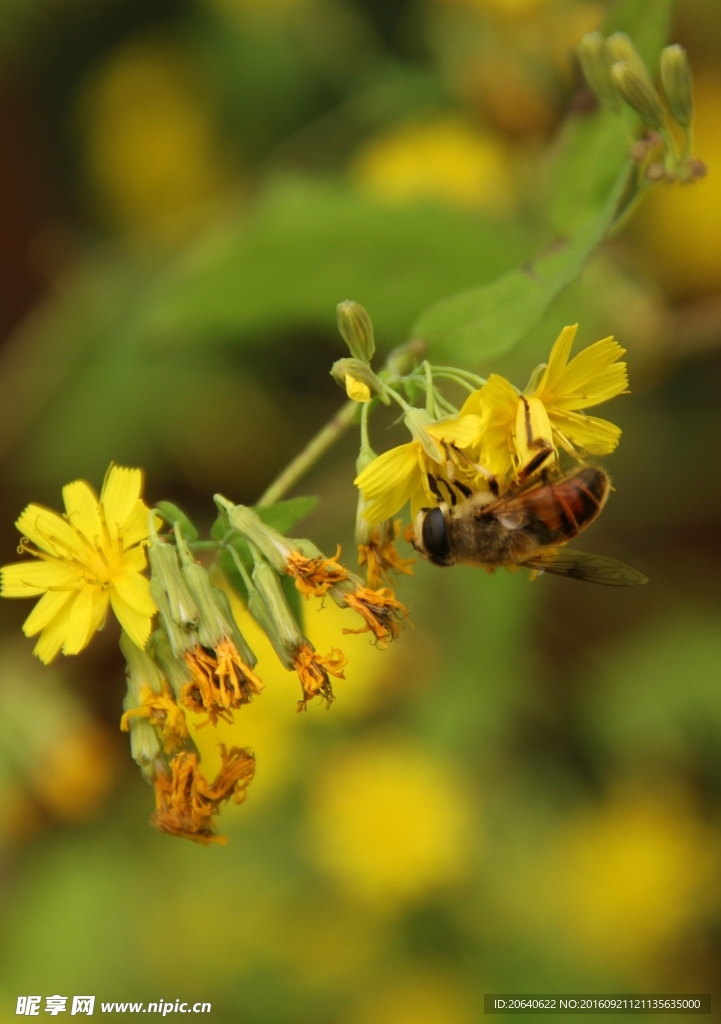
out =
column 305, row 459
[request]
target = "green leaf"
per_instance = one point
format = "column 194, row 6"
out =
column 172, row 515
column 284, row 514
column 488, row 321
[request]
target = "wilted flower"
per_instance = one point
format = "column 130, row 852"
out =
column 313, row 671
column 90, row 556
column 186, row 802
column 380, row 555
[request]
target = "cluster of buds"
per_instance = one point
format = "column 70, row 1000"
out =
column 618, row 75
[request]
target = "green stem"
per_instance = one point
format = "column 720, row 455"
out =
column 316, row 447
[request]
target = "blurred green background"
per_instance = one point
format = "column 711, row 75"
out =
column 523, row 794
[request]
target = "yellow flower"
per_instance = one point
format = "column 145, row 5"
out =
column 401, row 474
column 92, row 555
column 516, row 427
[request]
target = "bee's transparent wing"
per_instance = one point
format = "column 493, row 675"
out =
column 578, row 565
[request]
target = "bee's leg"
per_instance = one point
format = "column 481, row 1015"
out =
column 451, row 492
column 465, row 491
column 535, row 463
column 477, row 468
column 433, row 484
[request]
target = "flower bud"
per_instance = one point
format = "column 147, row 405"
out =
column 359, row 380
column 621, row 49
column 676, row 78
column 275, row 615
column 363, row 529
column 166, row 571
column 404, row 359
column 596, row 63
column 638, row 92
column 273, row 545
column 356, row 329
column 145, row 744
column 174, row 670
column 221, row 599
column 181, row 640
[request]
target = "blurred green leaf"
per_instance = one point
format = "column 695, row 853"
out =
column 284, row 514
column 487, row 321
column 172, row 515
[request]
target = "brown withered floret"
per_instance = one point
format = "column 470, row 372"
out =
column 186, row 802
column 313, row 671
column 221, row 682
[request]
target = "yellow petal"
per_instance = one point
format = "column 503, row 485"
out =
column 388, row 482
column 136, row 528
column 49, row 531
column 53, row 636
column 134, row 589
column 532, row 430
column 135, row 624
column 119, row 496
column 592, row 377
column 50, row 605
column 473, row 405
column 556, row 361
column 499, row 401
column 29, row 579
column 588, row 433
column 463, row 431
column 79, row 623
column 356, row 389
column 422, row 497
column 81, row 505
column 133, row 560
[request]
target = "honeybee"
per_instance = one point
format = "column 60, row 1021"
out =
column 526, row 526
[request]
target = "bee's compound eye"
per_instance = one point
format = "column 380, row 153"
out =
column 435, row 536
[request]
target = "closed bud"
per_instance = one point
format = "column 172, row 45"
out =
column 145, row 744
column 272, row 545
column 676, row 78
column 356, row 329
column 359, row 381
column 639, row 93
column 166, row 571
column 621, row 49
column 404, row 359
column 174, row 669
column 181, row 640
column 596, row 63
column 275, row 614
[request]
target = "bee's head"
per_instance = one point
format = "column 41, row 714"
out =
column 431, row 538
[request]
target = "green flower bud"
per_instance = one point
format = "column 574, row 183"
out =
column 166, row 570
column 639, row 93
column 241, row 644
column 174, row 670
column 356, row 329
column 363, row 529
column 359, row 381
column 275, row 614
column 596, row 63
column 677, row 84
column 145, row 745
column 404, row 359
column 273, row 545
column 181, row 640
column 622, row 50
